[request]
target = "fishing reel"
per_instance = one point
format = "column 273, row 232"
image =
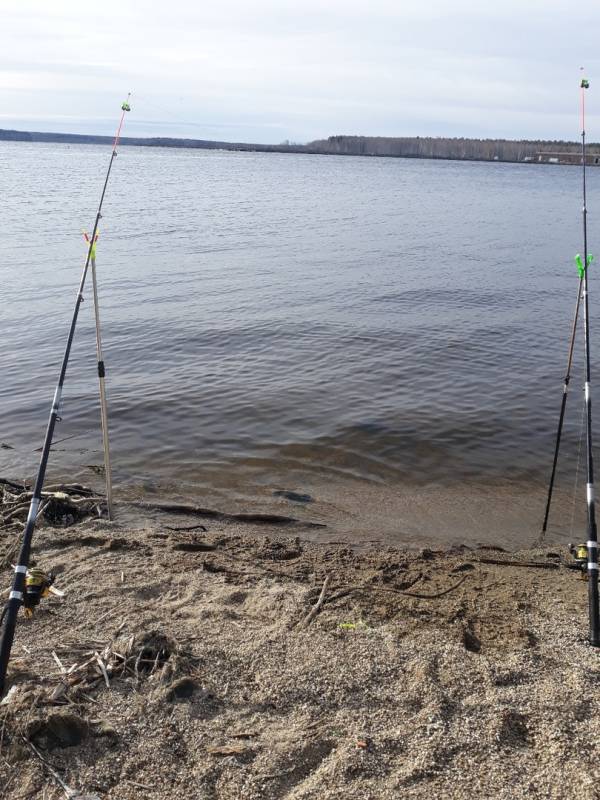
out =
column 38, row 584
column 580, row 558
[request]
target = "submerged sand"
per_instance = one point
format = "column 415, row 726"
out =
column 424, row 674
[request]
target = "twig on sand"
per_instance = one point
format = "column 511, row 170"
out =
column 437, row 594
column 61, row 666
column 71, row 794
column 530, row 564
column 106, row 614
column 186, row 528
column 59, row 503
column 42, row 508
column 20, row 487
column 102, row 669
column 317, row 606
column 374, row 588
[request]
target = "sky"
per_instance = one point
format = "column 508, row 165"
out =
column 271, row 70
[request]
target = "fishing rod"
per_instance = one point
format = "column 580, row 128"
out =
column 16, row 596
column 101, row 377
column 592, row 542
column 563, row 405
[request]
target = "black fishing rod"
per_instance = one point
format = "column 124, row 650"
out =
column 563, row 405
column 592, row 543
column 15, row 600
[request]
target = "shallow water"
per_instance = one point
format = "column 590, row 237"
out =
column 387, row 335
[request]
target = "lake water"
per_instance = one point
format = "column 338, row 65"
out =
column 386, row 335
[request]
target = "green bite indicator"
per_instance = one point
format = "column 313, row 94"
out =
column 579, row 262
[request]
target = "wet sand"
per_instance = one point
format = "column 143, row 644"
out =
column 425, row 672
column 469, row 512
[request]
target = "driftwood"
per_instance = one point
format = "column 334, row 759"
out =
column 370, row 587
column 19, row 487
column 186, row 528
column 436, row 594
column 373, row 588
column 531, row 564
column 62, row 504
column 93, row 664
column 316, row 608
column 71, row 794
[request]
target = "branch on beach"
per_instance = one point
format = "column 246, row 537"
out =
column 61, row 504
column 317, row 606
column 186, row 528
column 71, row 794
column 19, row 487
column 530, row 564
column 437, row 594
column 374, row 588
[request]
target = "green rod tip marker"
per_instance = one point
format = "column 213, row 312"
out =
column 579, row 262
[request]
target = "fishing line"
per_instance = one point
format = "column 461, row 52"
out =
column 17, row 597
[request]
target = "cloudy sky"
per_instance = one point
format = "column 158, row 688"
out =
column 271, row 70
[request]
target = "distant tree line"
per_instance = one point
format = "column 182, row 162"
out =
column 139, row 141
column 385, row 146
column 456, row 148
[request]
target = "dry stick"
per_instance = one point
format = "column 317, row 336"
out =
column 437, row 594
column 42, row 508
column 155, row 665
column 70, row 793
column 531, row 564
column 371, row 588
column 20, row 486
column 70, row 487
column 317, row 606
column 136, row 666
column 59, row 662
column 186, row 528
column 347, row 591
column 103, row 616
column 103, row 670
column 15, row 512
column 59, row 493
column 69, row 501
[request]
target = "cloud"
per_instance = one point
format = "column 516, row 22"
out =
column 273, row 70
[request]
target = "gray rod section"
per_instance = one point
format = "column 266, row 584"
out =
column 592, row 542
column 103, row 403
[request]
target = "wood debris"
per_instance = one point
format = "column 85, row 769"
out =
column 62, row 505
column 139, row 657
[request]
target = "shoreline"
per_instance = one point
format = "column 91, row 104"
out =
column 430, row 672
column 406, row 514
column 331, row 147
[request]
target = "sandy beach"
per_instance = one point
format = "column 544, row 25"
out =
column 184, row 661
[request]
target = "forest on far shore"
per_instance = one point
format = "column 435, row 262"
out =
column 461, row 149
column 454, row 148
